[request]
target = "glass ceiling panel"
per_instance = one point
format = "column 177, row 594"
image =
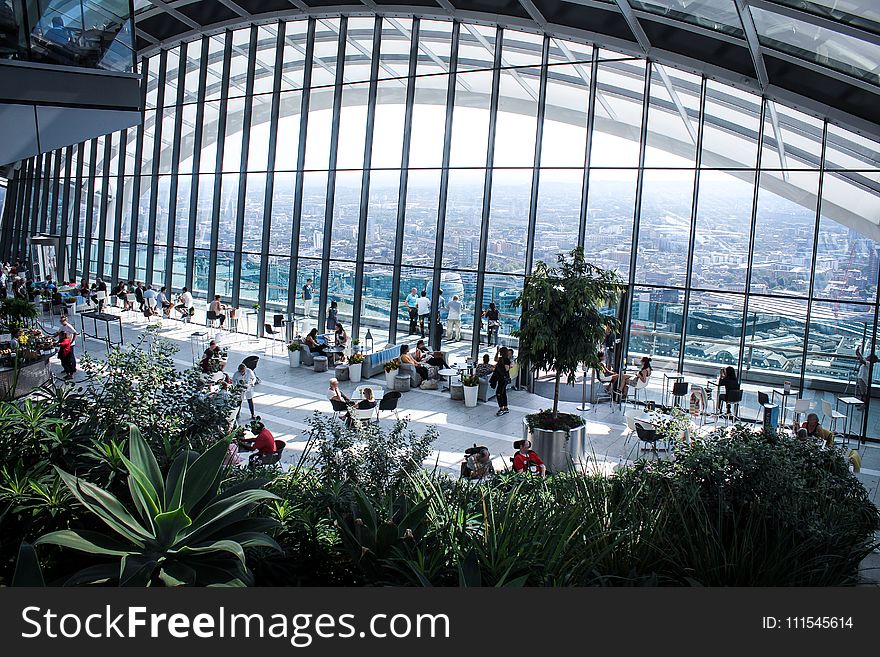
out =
column 818, row 44
column 858, row 13
column 718, row 15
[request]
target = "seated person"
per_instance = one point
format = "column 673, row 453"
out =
column 526, row 460
column 605, row 374
column 406, row 357
column 643, row 375
column 485, row 368
column 812, row 429
column 263, row 442
column 212, row 359
column 185, row 304
column 150, row 293
column 420, row 352
column 436, row 360
column 163, row 302
column 218, row 309
column 727, row 380
column 477, row 465
column 333, row 392
column 311, row 342
column 366, row 403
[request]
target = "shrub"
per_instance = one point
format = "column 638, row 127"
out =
column 356, row 359
column 392, row 365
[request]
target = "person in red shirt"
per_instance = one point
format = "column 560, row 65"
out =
column 263, row 443
column 526, row 460
column 65, row 354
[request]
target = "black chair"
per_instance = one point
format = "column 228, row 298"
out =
column 278, row 321
column 734, row 397
column 210, row 318
column 679, row 391
column 272, row 334
column 339, row 407
column 763, row 398
column 251, row 363
column 648, row 437
column 269, row 459
column 389, row 402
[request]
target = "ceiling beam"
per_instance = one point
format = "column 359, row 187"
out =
column 753, row 43
column 780, row 144
column 676, row 100
column 534, row 13
column 635, row 27
column 229, row 4
column 171, row 11
column 474, row 32
column 569, row 55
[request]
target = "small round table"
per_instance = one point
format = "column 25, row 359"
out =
column 448, row 373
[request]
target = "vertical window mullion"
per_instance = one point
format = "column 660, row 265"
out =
column 120, row 203
column 154, row 172
column 591, row 121
column 52, row 228
column 195, row 182
column 536, row 171
column 77, row 207
column 174, row 185
column 487, row 193
column 300, row 164
column 331, row 173
column 404, row 165
column 693, row 227
column 102, row 207
column 218, row 164
column 365, row 180
column 637, row 209
column 61, row 256
column 242, row 170
column 269, row 192
column 136, row 181
column 47, row 184
column 90, row 208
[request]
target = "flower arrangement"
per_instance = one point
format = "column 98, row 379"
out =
column 470, row 380
column 356, row 359
column 392, row 365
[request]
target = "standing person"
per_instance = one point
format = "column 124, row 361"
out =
column 67, row 328
column 423, row 308
column 246, row 377
column 454, row 319
column 332, row 314
column 411, row 300
column 306, row 296
column 499, row 380
column 65, row 354
column 493, row 323
column 608, row 343
column 100, row 286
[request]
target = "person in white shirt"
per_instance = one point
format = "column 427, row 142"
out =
column 245, row 376
column 333, row 392
column 454, row 319
column 67, row 328
column 423, row 307
column 185, row 303
column 150, row 293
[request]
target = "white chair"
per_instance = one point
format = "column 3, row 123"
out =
column 635, row 384
column 630, row 418
column 101, row 298
column 801, row 406
column 363, row 414
column 131, row 298
column 830, row 413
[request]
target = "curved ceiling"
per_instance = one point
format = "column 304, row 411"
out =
column 820, row 56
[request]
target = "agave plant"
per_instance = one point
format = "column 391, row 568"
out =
column 183, row 530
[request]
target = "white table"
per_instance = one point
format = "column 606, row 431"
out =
column 358, row 394
column 448, row 373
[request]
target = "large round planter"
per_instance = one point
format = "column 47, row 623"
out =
column 470, row 396
column 354, row 371
column 560, row 450
column 293, row 358
column 389, row 379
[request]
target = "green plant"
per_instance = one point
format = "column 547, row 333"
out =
column 671, row 425
column 548, row 420
column 182, row 531
column 470, row 380
column 392, row 365
column 17, row 313
column 562, row 319
column 356, row 359
column 294, row 346
column 356, row 342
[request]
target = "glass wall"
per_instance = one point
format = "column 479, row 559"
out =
column 377, row 155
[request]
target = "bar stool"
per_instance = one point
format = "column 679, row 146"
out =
column 734, row 397
column 829, row 413
column 679, row 392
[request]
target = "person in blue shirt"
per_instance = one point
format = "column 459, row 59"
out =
column 411, row 301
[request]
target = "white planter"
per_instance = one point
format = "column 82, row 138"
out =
column 354, row 371
column 470, row 396
column 389, row 379
column 293, row 357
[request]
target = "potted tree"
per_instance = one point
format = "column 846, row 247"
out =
column 293, row 353
column 355, row 365
column 391, row 368
column 562, row 327
column 470, row 385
